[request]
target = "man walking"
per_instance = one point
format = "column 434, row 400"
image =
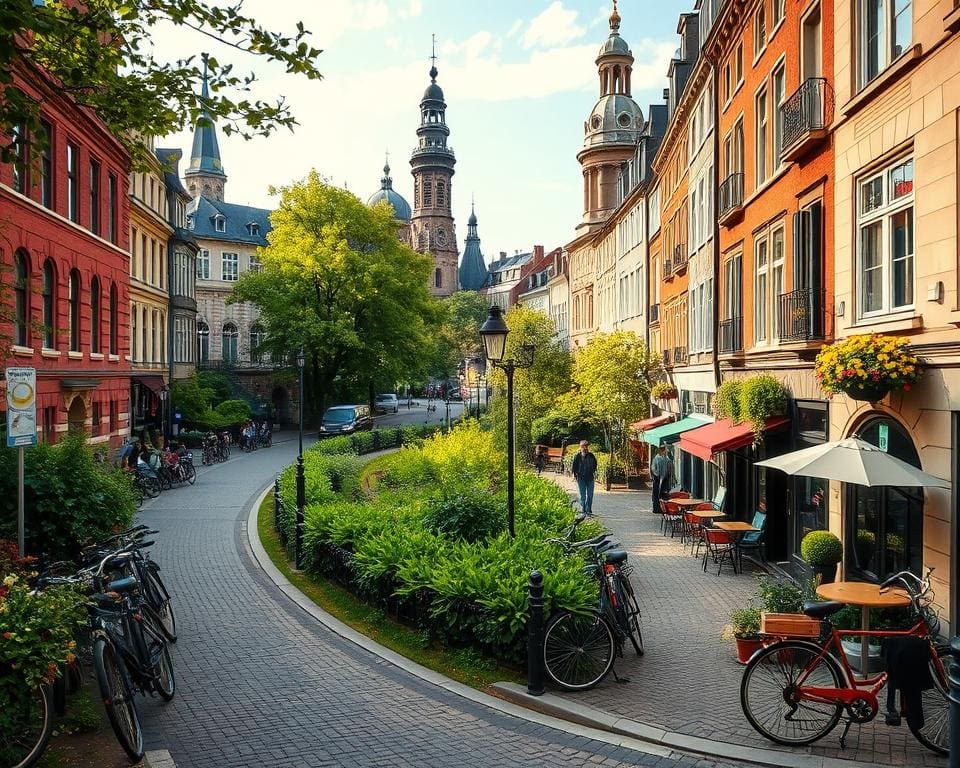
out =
column 661, row 470
column 584, row 470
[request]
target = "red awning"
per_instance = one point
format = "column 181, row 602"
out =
column 653, row 421
column 153, row 383
column 723, row 435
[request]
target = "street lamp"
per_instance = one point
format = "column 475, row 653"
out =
column 164, row 394
column 494, row 334
column 298, row 550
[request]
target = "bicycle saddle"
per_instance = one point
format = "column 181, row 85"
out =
column 820, row 610
column 615, row 556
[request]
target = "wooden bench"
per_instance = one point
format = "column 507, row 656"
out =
column 552, row 457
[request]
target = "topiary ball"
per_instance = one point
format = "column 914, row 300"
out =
column 821, row 548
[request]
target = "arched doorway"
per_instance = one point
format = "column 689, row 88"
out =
column 885, row 524
column 281, row 405
column 77, row 415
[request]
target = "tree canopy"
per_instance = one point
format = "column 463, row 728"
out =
column 338, row 282
column 458, row 337
column 99, row 52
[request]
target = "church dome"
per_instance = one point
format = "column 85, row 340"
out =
column 616, row 119
column 433, row 92
column 615, row 45
column 401, row 208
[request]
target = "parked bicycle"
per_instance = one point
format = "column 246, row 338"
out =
column 794, row 691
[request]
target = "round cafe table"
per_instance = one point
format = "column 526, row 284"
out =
column 866, row 596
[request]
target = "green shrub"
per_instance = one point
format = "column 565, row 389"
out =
column 761, row 397
column 234, row 411
column 780, row 596
column 726, row 403
column 471, row 516
column 821, row 548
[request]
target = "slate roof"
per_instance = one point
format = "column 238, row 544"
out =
column 473, row 271
column 202, row 213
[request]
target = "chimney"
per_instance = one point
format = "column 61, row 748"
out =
column 537, row 252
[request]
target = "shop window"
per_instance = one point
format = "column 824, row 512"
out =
column 21, row 317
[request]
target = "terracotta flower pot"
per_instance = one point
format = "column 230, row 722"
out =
column 746, row 647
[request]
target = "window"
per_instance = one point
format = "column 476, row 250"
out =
column 73, row 182
column 74, row 299
column 229, row 342
column 761, row 297
column 255, row 264
column 738, row 66
column 49, row 305
column 229, row 266
column 254, row 229
column 111, row 208
column 46, row 167
column 50, row 424
column 144, row 262
column 21, row 164
column 777, row 12
column 257, row 337
column 886, row 239
column 95, row 324
column 886, row 29
column 761, row 137
column 777, row 246
column 727, row 84
column 427, row 193
column 114, row 421
column 203, row 342
column 95, row 419
column 114, row 322
column 95, row 197
column 779, row 95
column 22, row 291
column 731, row 287
column 759, row 32
column 134, row 337
column 203, row 264
column 441, row 193
column 220, row 223
column 437, row 278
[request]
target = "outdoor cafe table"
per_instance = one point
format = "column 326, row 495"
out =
column 683, row 503
column 867, row 596
column 738, row 529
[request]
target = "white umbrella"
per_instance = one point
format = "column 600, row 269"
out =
column 853, row 461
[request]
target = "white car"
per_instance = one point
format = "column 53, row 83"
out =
column 388, row 403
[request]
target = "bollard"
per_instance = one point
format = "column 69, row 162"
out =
column 953, row 678
column 535, row 669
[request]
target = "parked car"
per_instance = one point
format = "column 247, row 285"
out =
column 344, row 419
column 388, row 403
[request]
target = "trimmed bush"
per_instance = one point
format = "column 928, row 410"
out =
column 472, row 517
column 821, row 548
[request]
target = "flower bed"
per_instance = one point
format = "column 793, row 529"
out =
column 867, row 367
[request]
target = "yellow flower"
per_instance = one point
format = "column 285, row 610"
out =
column 10, row 580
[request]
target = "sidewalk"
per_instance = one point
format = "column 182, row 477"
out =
column 688, row 682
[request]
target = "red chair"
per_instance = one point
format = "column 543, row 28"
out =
column 672, row 516
column 719, row 545
column 678, row 495
column 693, row 527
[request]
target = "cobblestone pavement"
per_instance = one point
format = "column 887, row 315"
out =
column 260, row 683
column 688, row 681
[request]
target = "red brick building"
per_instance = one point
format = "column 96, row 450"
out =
column 64, row 229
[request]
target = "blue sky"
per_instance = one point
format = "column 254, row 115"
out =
column 519, row 80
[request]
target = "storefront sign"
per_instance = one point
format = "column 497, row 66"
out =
column 21, row 407
column 884, row 431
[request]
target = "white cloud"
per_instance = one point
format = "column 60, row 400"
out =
column 515, row 28
column 554, row 26
column 415, row 8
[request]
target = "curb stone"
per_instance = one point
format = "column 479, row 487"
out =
column 158, row 758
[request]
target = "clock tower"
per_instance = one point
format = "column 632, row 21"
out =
column 431, row 226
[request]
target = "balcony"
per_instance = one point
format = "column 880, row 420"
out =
column 679, row 355
column 805, row 117
column 654, row 316
column 666, row 359
column 667, row 269
column 730, row 204
column 731, row 335
column 680, row 258
column 803, row 315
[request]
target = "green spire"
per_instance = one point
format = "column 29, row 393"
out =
column 205, row 156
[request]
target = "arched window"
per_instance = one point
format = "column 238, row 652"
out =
column 257, row 337
column 203, row 342
column 49, row 296
column 229, row 342
column 114, row 341
column 134, row 336
column 427, row 193
column 74, row 299
column 144, row 350
column 437, row 278
column 95, row 313
column 22, row 290
column 885, row 523
column 441, row 193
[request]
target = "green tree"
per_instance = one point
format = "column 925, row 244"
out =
column 535, row 389
column 99, row 52
column 337, row 281
column 459, row 333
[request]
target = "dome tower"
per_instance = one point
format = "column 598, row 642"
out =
column 401, row 208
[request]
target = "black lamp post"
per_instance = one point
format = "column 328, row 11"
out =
column 494, row 334
column 164, row 394
column 298, row 550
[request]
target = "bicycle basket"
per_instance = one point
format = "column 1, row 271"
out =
column 789, row 625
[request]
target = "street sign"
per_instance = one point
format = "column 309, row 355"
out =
column 21, row 407
column 883, row 441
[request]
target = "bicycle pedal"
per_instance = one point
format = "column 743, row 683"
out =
column 892, row 718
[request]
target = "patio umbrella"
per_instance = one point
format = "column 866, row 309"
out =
column 853, row 461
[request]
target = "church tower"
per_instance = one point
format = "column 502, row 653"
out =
column 473, row 269
column 204, row 175
column 431, row 226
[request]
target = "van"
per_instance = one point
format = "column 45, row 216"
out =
column 345, row 419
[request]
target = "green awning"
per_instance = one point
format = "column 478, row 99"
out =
column 670, row 433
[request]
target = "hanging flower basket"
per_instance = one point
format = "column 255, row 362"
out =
column 867, row 367
column 663, row 391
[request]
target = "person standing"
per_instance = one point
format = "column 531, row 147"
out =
column 661, row 470
column 584, row 470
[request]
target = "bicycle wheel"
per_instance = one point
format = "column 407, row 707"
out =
column 633, row 614
column 151, row 486
column 191, row 473
column 770, row 692
column 935, row 732
column 578, row 650
column 30, row 722
column 158, row 601
column 117, row 695
column 157, row 655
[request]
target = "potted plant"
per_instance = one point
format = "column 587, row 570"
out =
column 754, row 399
column 822, row 550
column 744, row 627
column 663, row 390
column 867, row 367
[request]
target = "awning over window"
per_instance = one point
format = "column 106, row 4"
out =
column 668, row 433
column 723, row 435
column 153, row 383
column 653, row 421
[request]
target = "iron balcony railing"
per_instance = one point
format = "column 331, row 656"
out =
column 667, row 268
column 679, row 257
column 802, row 315
column 804, row 112
column 731, row 194
column 666, row 357
column 654, row 316
column 679, row 355
column 731, row 334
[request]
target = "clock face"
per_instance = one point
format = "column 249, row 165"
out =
column 441, row 237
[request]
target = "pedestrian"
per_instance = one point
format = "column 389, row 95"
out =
column 661, row 471
column 584, row 470
column 540, row 458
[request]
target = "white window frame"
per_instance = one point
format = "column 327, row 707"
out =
column 233, row 259
column 203, row 264
column 883, row 213
column 220, row 223
column 776, row 101
column 777, row 15
column 886, row 38
column 761, row 124
column 777, row 280
column 760, row 24
column 761, row 290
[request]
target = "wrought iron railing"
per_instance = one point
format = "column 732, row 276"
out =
column 666, row 357
column 731, row 334
column 802, row 315
column 679, row 256
column 667, row 267
column 805, row 111
column 731, row 194
column 679, row 355
column 654, row 316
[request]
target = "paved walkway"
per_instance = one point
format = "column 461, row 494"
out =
column 261, row 682
column 688, row 681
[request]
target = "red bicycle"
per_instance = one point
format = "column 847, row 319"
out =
column 795, row 690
